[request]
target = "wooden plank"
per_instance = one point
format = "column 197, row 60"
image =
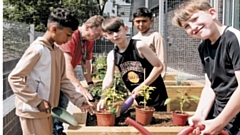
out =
column 194, row 88
column 170, row 76
column 122, row 130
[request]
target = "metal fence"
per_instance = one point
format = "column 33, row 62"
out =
column 15, row 42
column 15, row 39
column 182, row 53
column 102, row 45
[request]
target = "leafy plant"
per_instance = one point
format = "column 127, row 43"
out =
column 100, row 74
column 120, row 86
column 179, row 80
column 96, row 91
column 145, row 92
column 101, row 62
column 183, row 98
column 111, row 96
column 31, row 12
column 100, row 66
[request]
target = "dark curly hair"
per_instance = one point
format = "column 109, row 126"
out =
column 63, row 18
column 143, row 12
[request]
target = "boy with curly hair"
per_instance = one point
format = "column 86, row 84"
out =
column 41, row 73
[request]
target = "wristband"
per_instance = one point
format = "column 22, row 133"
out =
column 90, row 83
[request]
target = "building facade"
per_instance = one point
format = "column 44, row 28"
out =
column 182, row 54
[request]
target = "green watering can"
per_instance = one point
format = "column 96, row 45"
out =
column 63, row 116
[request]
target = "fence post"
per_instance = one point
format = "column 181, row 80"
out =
column 161, row 16
column 31, row 33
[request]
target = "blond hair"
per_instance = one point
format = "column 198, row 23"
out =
column 95, row 21
column 187, row 9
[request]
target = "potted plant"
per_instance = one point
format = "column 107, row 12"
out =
column 179, row 117
column 111, row 99
column 144, row 113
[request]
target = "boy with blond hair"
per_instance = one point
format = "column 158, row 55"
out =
column 220, row 56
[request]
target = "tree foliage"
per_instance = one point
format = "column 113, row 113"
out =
column 37, row 11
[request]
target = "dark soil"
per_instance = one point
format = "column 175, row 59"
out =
column 163, row 119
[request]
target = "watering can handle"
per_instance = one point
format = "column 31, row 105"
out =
column 188, row 130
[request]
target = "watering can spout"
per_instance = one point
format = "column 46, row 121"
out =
column 127, row 104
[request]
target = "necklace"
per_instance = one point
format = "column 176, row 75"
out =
column 84, row 48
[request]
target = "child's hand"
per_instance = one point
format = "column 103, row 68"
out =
column 196, row 120
column 44, row 106
column 100, row 104
column 135, row 92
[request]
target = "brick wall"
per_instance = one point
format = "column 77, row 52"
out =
column 182, row 53
column 11, row 124
column 182, row 50
column 7, row 68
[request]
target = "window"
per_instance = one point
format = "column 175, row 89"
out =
column 231, row 13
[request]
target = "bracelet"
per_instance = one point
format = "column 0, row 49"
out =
column 90, row 83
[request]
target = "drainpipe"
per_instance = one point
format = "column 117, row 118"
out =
column 215, row 5
column 224, row 12
column 146, row 3
column 233, row 13
column 161, row 17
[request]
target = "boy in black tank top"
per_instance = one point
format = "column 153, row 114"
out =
column 135, row 60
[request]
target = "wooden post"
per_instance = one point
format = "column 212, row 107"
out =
column 31, row 33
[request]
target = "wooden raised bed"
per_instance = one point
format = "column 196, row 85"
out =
column 170, row 76
column 114, row 130
column 191, row 87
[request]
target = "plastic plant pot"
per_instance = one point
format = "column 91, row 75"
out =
column 188, row 130
column 127, row 104
column 63, row 116
column 139, row 127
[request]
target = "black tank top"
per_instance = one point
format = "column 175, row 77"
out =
column 131, row 67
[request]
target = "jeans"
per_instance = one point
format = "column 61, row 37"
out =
column 63, row 103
